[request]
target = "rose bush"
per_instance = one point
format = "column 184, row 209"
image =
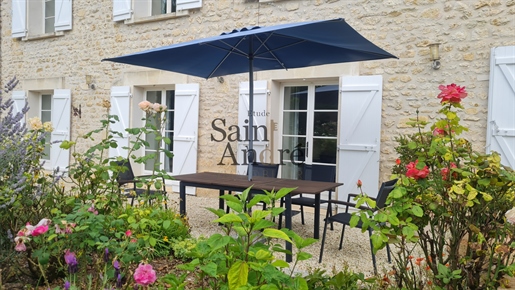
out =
column 450, row 203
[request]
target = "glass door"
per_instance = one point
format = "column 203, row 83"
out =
column 310, row 126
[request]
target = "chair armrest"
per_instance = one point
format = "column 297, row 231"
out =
column 355, row 195
column 348, row 204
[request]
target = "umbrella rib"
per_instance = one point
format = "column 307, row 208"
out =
column 233, row 49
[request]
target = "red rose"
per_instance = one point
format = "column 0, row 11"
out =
column 416, row 173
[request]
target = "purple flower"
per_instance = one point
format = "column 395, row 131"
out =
column 106, row 255
column 119, row 281
column 67, row 285
column 71, row 261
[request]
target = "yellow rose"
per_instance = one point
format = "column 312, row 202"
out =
column 35, row 123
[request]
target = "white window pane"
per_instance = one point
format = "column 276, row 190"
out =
column 46, row 102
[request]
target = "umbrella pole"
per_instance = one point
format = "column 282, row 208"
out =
column 250, row 153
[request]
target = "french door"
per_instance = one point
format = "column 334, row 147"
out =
column 310, row 126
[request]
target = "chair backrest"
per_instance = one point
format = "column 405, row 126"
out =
column 318, row 172
column 125, row 174
column 265, row 170
column 384, row 191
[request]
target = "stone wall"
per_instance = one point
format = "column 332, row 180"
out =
column 467, row 30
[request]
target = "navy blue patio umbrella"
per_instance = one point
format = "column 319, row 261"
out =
column 251, row 49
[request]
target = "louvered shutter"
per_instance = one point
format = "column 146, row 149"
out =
column 61, row 115
column 359, row 134
column 501, row 105
column 188, row 4
column 121, row 10
column 120, row 106
column 19, row 14
column 19, row 102
column 63, row 15
column 185, row 140
column 260, row 106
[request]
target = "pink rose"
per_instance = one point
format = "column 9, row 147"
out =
column 145, row 105
column 145, row 275
column 159, row 108
column 510, row 216
column 39, row 230
column 20, row 243
column 128, row 233
column 451, row 93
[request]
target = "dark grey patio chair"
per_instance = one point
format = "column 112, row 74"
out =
column 314, row 172
column 126, row 176
column 265, row 170
column 344, row 217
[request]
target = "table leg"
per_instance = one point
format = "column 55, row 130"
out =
column 221, row 202
column 316, row 233
column 182, row 197
column 287, row 215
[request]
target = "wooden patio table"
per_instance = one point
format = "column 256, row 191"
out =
column 233, row 182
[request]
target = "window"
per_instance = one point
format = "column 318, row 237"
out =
column 181, row 125
column 46, row 116
column 163, row 7
column 310, row 126
column 50, row 106
column 134, row 11
column 47, row 18
column 166, row 97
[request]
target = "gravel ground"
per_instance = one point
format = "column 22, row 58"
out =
column 355, row 252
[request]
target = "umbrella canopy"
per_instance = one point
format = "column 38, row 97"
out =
column 253, row 49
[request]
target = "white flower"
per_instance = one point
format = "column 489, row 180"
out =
column 47, row 126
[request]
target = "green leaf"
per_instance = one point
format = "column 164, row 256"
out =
column 263, row 255
column 166, row 224
column 229, row 218
column 238, row 275
column 302, row 256
column 276, row 234
column 417, row 211
column 354, row 221
column 152, row 241
column 300, row 283
column 210, row 269
column 51, row 237
column 281, row 264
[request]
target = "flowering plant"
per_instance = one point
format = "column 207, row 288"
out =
column 450, row 203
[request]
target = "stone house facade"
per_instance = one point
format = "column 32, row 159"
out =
column 59, row 63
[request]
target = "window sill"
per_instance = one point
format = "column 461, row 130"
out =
column 155, row 18
column 43, row 36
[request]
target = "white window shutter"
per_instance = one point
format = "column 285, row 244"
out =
column 260, row 107
column 61, row 115
column 500, row 135
column 188, row 4
column 120, row 106
column 185, row 140
column 121, row 10
column 19, row 14
column 63, row 15
column 359, row 134
column 19, row 102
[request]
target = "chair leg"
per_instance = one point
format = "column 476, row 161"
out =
column 330, row 214
column 323, row 242
column 372, row 250
column 341, row 237
column 302, row 214
column 388, row 253
column 281, row 215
